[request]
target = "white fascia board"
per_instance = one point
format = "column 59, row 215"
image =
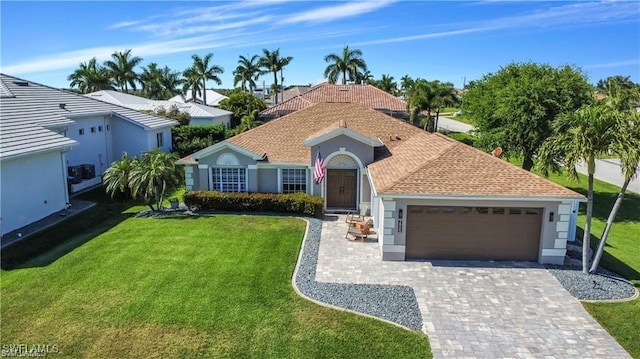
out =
column 107, row 113
column 342, row 131
column 484, row 197
column 373, row 187
column 225, row 145
column 77, row 116
column 282, row 165
column 62, row 148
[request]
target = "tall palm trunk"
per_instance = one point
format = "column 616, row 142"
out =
column 344, row 77
column 586, row 238
column 275, row 81
column 204, row 92
column 607, row 228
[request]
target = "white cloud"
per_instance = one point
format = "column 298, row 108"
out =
column 72, row 59
column 572, row 14
column 123, row 24
column 331, row 13
column 422, row 36
column 635, row 62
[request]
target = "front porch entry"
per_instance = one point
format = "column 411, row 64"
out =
column 342, row 188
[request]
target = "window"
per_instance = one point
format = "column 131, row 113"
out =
column 514, row 211
column 99, row 128
column 108, row 128
column 229, row 179
column 81, row 131
column 93, row 130
column 159, row 139
column 482, row 210
column 294, row 180
column 497, row 211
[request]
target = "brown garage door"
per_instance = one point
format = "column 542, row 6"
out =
column 483, row 233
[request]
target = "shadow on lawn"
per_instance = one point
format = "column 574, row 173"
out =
column 603, row 202
column 51, row 244
column 610, row 262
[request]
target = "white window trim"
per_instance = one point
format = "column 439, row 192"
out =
column 246, row 177
column 281, row 179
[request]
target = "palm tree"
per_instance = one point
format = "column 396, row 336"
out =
column 348, row 63
column 90, row 77
column 272, row 62
column 248, row 122
column 582, row 135
column 116, row 177
column 154, row 173
column 204, row 71
column 446, row 95
column 364, row 77
column 407, row 85
column 192, row 82
column 422, row 98
column 122, row 69
column 171, row 81
column 151, row 79
column 247, row 72
column 627, row 148
column 387, row 84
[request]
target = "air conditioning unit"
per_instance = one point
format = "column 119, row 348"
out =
column 74, row 174
column 88, row 171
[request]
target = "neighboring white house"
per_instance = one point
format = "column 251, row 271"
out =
column 54, row 142
column 213, row 98
column 200, row 114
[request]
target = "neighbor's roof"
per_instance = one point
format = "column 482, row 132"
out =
column 29, row 109
column 290, row 93
column 437, row 165
column 213, row 98
column 144, row 104
column 366, row 95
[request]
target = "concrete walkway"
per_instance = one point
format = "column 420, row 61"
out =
column 475, row 309
column 608, row 170
column 452, row 125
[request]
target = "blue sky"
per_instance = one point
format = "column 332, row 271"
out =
column 448, row 41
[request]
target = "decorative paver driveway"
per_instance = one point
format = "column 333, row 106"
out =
column 475, row 309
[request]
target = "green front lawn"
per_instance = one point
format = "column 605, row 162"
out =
column 185, row 287
column 622, row 255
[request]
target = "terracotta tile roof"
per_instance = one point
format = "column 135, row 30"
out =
column 436, row 165
column 365, row 95
column 282, row 139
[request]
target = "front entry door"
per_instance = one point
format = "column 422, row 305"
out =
column 342, row 186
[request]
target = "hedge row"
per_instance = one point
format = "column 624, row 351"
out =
column 301, row 203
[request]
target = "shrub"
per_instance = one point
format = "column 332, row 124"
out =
column 190, row 139
column 301, row 203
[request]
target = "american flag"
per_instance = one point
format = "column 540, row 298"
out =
column 318, row 170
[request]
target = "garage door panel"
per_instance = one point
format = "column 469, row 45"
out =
column 473, row 233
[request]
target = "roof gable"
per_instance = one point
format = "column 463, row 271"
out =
column 336, row 130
